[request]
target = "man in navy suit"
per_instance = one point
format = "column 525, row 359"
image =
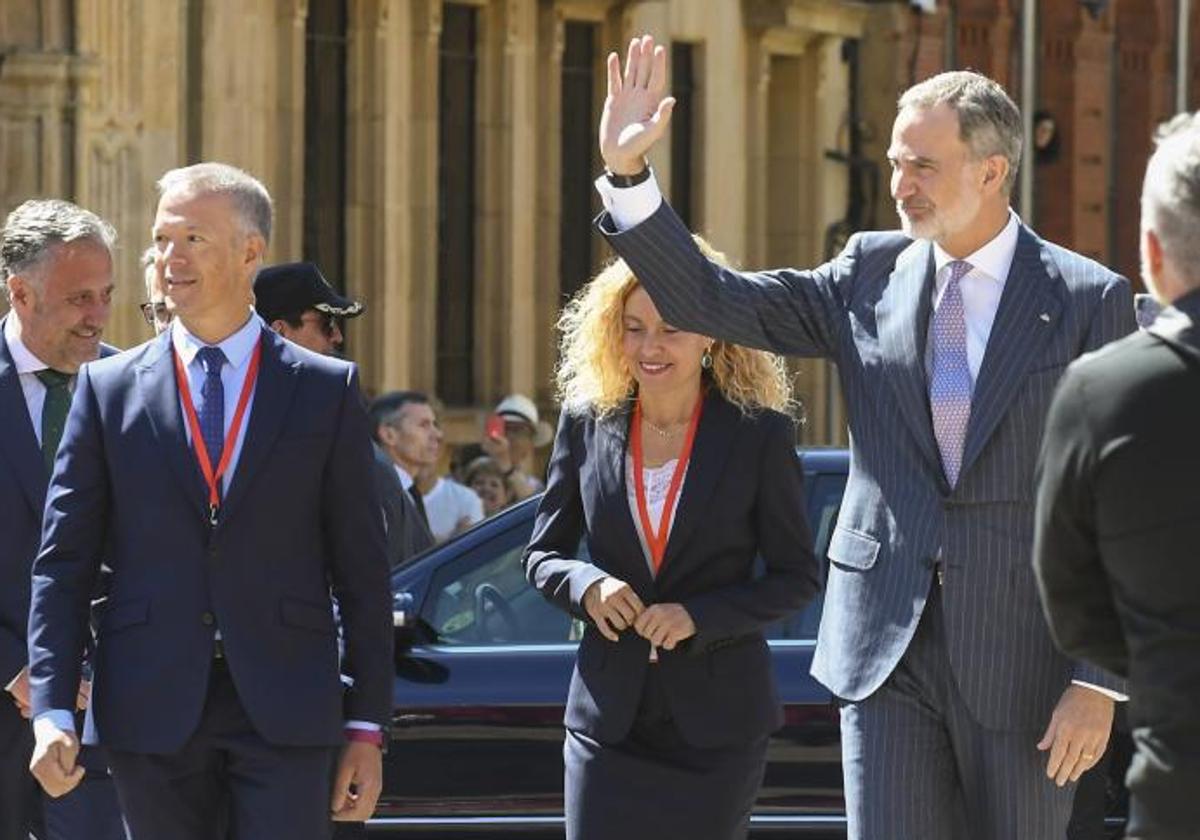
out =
column 959, row 716
column 56, row 261
column 216, row 687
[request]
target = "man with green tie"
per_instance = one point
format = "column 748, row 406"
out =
column 57, row 271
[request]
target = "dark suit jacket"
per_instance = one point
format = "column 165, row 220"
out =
column 868, row 310
column 301, row 514
column 407, row 533
column 742, row 497
column 22, row 497
column 1118, row 534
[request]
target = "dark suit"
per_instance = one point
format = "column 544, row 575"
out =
column 742, row 498
column 407, row 533
column 91, row 810
column 1117, row 546
column 984, row 643
column 300, row 515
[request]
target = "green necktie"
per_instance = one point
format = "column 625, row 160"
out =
column 54, row 412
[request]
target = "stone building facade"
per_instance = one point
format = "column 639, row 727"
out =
column 435, row 157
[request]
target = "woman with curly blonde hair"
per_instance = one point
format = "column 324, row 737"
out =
column 675, row 461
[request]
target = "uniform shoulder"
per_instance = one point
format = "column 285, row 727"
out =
column 888, row 241
column 1079, row 269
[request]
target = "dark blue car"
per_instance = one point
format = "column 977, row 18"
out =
column 482, row 668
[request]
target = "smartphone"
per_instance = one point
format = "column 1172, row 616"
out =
column 494, row 428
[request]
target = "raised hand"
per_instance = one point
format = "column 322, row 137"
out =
column 636, row 111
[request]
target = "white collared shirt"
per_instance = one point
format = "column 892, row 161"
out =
column 981, row 288
column 238, row 349
column 27, row 366
column 406, row 480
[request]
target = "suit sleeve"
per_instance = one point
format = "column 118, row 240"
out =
column 791, row 574
column 550, row 562
column 1072, row 581
column 66, row 569
column 797, row 313
column 357, row 549
column 1116, row 317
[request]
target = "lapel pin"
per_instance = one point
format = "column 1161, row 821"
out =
column 1045, row 316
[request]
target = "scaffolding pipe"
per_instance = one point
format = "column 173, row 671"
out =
column 1183, row 56
column 1029, row 103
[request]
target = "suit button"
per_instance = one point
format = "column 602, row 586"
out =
column 208, row 619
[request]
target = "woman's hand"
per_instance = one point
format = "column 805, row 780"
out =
column 665, row 625
column 612, row 605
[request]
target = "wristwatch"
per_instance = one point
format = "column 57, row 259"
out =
column 623, row 181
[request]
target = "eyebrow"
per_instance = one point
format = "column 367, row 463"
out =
column 910, row 158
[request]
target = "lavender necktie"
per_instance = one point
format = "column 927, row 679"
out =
column 212, row 405
column 950, row 380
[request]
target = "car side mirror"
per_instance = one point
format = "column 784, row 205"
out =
column 403, row 604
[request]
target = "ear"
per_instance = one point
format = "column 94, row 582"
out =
column 995, row 171
column 20, row 291
column 1152, row 254
column 255, row 249
column 280, row 326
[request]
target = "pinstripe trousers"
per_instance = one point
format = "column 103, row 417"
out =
column 918, row 766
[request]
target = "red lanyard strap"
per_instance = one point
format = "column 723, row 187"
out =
column 657, row 541
column 213, row 478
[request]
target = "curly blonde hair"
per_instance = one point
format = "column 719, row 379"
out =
column 592, row 372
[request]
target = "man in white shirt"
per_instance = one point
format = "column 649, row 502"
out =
column 959, row 716
column 56, row 262
column 405, row 425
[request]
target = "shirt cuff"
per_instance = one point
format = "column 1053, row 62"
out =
column 1107, row 692
column 59, row 719
column 363, row 724
column 8, row 685
column 630, row 206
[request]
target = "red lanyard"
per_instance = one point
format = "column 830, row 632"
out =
column 211, row 478
column 657, row 541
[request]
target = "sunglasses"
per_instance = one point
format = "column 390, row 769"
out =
column 155, row 312
column 324, row 322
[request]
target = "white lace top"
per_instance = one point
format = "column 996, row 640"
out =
column 657, row 481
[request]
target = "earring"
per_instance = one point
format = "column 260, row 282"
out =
column 706, row 360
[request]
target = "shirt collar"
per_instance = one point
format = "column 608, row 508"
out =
column 237, row 347
column 993, row 260
column 406, row 480
column 23, row 357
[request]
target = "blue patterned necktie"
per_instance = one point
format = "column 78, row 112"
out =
column 950, row 381
column 212, row 404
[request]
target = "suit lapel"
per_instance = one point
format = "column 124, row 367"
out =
column 1027, row 317
column 19, row 442
column 156, row 378
column 612, row 438
column 902, row 321
column 272, row 400
column 710, row 451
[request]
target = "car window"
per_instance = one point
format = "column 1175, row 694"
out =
column 824, row 493
column 484, row 599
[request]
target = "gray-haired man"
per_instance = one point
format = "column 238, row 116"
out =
column 56, row 263
column 948, row 337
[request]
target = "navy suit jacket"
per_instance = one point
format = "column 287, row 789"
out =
column 868, row 310
column 301, row 515
column 743, row 497
column 22, row 497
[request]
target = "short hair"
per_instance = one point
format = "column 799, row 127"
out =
column 384, row 408
column 148, row 257
column 249, row 197
column 989, row 122
column 1171, row 194
column 38, row 226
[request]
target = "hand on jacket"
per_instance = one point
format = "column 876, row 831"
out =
column 612, row 605
column 665, row 625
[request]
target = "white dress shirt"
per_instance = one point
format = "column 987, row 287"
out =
column 981, row 287
column 27, row 366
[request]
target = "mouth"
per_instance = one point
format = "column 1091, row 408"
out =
column 913, row 209
column 654, row 368
column 179, row 282
column 87, row 333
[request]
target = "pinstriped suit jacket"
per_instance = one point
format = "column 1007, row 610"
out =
column 868, row 311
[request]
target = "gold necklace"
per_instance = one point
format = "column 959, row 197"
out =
column 669, row 432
